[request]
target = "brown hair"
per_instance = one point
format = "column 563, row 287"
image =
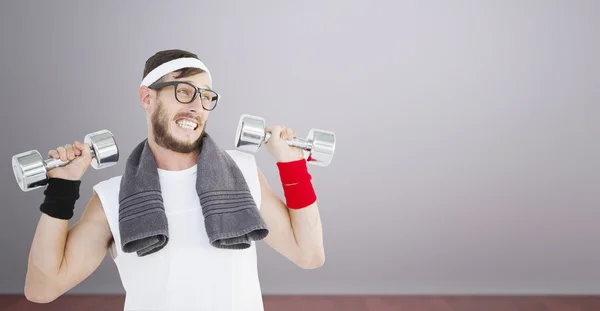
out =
column 164, row 56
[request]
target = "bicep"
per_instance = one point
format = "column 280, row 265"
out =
column 87, row 243
column 276, row 215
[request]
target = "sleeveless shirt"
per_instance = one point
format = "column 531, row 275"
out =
column 188, row 273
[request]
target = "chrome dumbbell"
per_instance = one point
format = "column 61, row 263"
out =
column 31, row 169
column 319, row 144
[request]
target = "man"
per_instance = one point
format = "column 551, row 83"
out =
column 178, row 240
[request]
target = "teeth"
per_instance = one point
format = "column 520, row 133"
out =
column 188, row 125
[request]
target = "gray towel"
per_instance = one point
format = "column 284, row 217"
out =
column 230, row 214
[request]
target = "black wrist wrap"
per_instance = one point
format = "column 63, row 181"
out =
column 61, row 195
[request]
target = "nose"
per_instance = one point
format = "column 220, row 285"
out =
column 192, row 110
column 196, row 105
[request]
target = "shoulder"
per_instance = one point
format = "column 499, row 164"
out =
column 245, row 161
column 107, row 184
column 108, row 192
column 241, row 157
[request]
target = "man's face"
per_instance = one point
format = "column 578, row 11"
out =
column 177, row 126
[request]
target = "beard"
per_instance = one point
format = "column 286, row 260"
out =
column 162, row 137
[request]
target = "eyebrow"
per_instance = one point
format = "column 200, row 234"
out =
column 204, row 86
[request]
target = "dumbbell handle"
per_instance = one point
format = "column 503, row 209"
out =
column 296, row 142
column 52, row 163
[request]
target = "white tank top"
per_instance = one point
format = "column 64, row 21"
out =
column 188, row 273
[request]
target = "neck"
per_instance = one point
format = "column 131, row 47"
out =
column 170, row 160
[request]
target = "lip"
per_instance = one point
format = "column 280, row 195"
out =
column 188, row 119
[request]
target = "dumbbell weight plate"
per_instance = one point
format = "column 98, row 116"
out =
column 103, row 146
column 323, row 147
column 250, row 133
column 29, row 170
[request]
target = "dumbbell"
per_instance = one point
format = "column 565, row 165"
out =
column 31, row 169
column 319, row 144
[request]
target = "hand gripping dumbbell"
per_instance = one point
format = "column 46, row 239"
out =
column 319, row 144
column 31, row 169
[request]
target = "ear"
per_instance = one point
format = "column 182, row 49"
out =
column 144, row 95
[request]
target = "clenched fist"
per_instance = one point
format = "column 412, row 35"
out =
column 279, row 148
column 79, row 155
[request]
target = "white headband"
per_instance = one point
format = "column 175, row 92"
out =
column 171, row 66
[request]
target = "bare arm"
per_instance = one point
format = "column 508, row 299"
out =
column 60, row 258
column 296, row 234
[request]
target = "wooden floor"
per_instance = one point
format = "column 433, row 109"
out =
column 339, row 303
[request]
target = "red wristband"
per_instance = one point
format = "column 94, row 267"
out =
column 293, row 172
column 299, row 195
column 297, row 186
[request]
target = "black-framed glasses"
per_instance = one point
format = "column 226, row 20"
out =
column 186, row 92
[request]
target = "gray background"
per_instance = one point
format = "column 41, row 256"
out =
column 467, row 157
